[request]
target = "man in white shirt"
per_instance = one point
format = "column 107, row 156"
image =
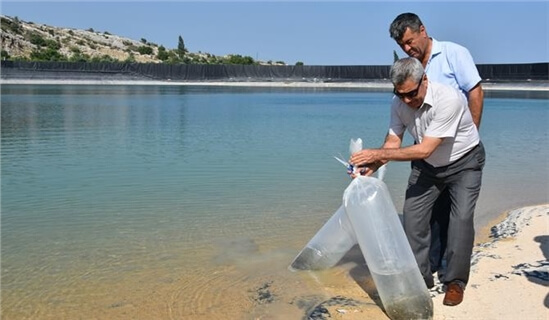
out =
column 448, row 155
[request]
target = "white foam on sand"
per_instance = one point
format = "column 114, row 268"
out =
column 510, row 273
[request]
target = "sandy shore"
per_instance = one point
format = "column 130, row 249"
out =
column 510, row 275
column 509, row 279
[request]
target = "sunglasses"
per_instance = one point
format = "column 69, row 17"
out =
column 409, row 94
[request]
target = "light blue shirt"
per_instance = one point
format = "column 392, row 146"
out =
column 453, row 65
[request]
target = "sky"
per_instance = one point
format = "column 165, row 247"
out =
column 312, row 32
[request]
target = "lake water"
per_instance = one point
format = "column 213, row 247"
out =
column 171, row 202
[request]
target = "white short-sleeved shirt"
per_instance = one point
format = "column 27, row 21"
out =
column 453, row 65
column 444, row 114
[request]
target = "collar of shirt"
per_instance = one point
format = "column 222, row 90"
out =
column 428, row 100
column 436, row 49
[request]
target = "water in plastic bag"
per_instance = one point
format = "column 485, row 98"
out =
column 333, row 240
column 386, row 250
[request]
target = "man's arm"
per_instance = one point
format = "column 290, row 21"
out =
column 476, row 103
column 392, row 141
column 391, row 153
column 466, row 75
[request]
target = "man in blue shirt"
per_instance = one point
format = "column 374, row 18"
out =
column 444, row 62
column 451, row 64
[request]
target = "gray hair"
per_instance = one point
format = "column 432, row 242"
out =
column 402, row 22
column 404, row 69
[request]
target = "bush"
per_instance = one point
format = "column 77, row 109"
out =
column 4, row 55
column 173, row 57
column 238, row 59
column 162, row 54
column 48, row 54
column 52, row 44
column 130, row 58
column 104, row 58
column 37, row 39
column 13, row 25
column 145, row 50
column 79, row 57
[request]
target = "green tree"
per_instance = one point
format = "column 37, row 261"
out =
column 395, row 56
column 181, row 47
column 299, row 63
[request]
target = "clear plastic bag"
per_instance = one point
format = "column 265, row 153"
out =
column 328, row 245
column 386, row 250
column 368, row 217
column 333, row 240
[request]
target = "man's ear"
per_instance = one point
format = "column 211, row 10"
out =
column 422, row 30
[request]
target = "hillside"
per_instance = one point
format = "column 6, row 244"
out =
column 22, row 40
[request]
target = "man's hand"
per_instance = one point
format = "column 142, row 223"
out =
column 364, row 157
column 366, row 161
column 367, row 170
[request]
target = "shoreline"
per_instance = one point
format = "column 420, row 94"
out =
column 509, row 273
column 509, row 277
column 542, row 86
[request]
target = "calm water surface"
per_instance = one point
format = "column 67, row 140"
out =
column 142, row 202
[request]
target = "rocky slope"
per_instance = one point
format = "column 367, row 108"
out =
column 17, row 36
column 29, row 40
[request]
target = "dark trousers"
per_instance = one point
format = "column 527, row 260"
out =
column 439, row 230
column 462, row 179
